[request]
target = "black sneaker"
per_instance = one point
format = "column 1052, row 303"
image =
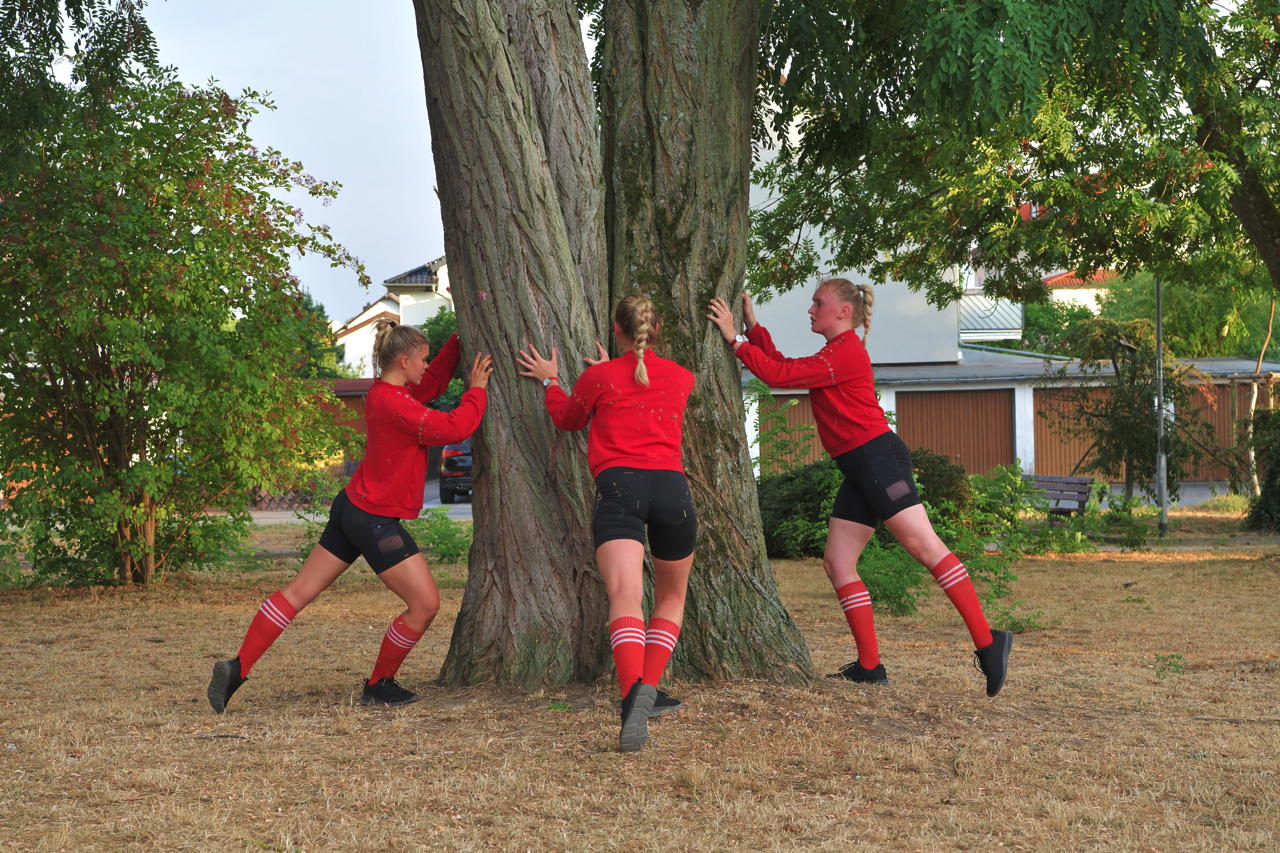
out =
column 226, row 681
column 664, row 704
column 636, row 709
column 386, row 692
column 993, row 660
column 854, row 671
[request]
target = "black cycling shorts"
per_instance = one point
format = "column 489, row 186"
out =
column 877, row 481
column 628, row 499
column 352, row 532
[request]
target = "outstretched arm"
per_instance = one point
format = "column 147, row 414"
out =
column 567, row 412
column 435, row 381
column 429, row 426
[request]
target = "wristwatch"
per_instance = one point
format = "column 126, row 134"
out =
column 738, row 339
column 546, row 383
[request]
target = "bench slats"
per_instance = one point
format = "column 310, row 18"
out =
column 1066, row 495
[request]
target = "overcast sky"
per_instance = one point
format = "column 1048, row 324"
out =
column 347, row 83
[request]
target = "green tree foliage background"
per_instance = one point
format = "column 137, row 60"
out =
column 156, row 342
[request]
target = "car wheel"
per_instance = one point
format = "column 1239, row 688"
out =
column 447, row 494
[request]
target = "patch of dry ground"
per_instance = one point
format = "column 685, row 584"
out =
column 1147, row 719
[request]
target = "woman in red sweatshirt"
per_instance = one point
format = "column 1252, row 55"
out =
column 635, row 404
column 876, row 465
column 365, row 516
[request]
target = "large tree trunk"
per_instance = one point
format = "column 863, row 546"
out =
column 517, row 165
column 677, row 93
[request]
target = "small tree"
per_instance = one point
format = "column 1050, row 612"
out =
column 1120, row 423
column 155, row 341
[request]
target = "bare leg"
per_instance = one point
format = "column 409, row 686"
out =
column 318, row 572
column 621, row 564
column 670, row 585
column 845, row 542
column 411, row 579
column 913, row 530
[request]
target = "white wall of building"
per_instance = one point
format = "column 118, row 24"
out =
column 417, row 308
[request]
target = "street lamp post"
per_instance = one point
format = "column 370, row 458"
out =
column 1162, row 479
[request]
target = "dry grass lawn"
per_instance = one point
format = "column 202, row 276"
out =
column 1147, row 718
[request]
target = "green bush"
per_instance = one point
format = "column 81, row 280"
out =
column 942, row 481
column 795, row 506
column 443, row 539
column 988, row 521
column 893, row 577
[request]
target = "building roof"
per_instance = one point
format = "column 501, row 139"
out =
column 426, row 274
column 986, row 318
column 352, row 387
column 1070, row 279
column 981, row 364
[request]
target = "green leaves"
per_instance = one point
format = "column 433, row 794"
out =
column 156, row 334
column 921, row 138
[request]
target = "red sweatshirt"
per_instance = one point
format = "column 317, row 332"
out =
column 632, row 425
column 842, row 388
column 390, row 478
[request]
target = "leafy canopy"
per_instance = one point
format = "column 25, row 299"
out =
column 1021, row 138
column 154, row 335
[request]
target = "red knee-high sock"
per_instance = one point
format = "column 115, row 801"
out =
column 659, row 643
column 953, row 577
column 396, row 645
column 856, row 602
column 269, row 622
column 626, row 635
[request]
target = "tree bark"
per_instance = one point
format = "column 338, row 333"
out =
column 516, row 182
column 677, row 94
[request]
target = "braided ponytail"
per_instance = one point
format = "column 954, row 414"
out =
column 859, row 296
column 392, row 340
column 637, row 317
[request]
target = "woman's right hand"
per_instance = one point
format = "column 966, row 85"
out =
column 719, row 314
column 748, row 311
column 537, row 367
column 481, row 370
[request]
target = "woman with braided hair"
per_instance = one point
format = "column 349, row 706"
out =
column 635, row 405
column 365, row 516
column 876, row 465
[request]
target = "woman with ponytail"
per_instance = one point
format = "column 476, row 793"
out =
column 878, row 486
column 635, row 405
column 364, row 519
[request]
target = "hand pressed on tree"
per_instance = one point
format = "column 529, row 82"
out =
column 719, row 314
column 536, row 367
column 481, row 370
column 603, row 357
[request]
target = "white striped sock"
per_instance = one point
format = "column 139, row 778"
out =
column 660, row 637
column 398, row 638
column 274, row 614
column 952, row 576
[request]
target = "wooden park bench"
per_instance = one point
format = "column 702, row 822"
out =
column 1067, row 495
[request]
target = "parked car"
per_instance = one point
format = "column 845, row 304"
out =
column 455, row 471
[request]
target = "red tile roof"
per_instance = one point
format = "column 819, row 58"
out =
column 1070, row 279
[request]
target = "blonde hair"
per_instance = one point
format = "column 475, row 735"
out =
column 392, row 340
column 637, row 317
column 857, row 295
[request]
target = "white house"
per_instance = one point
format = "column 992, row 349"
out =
column 413, row 297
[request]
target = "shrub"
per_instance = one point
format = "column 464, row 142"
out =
column 795, row 506
column 442, row 538
column 941, row 481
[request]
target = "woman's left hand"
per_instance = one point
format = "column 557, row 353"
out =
column 535, row 366
column 722, row 317
column 601, row 359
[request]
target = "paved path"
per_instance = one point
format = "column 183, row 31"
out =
column 459, row 511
